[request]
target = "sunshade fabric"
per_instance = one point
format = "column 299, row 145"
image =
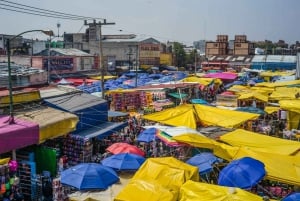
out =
column 178, row 95
column 277, row 84
column 124, row 161
column 52, row 123
column 259, row 142
column 221, row 117
column 290, row 105
column 146, row 190
column 188, row 115
column 194, row 191
column 17, row 135
column 284, row 93
column 271, row 109
column 202, row 80
column 183, row 115
column 244, row 173
column 122, row 147
column 288, row 173
column 158, row 179
column 253, row 95
column 87, row 176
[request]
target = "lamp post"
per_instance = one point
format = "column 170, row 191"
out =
column 11, row 120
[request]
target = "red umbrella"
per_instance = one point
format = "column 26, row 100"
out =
column 122, row 147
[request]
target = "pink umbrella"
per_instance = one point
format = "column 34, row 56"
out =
column 122, row 147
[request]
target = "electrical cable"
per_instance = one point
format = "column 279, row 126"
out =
column 50, row 11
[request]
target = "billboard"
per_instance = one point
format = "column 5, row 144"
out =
column 58, row 64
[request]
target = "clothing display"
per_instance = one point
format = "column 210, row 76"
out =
column 77, row 149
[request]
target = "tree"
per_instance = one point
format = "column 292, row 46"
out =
column 179, row 54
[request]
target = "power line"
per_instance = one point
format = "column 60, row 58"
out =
column 45, row 12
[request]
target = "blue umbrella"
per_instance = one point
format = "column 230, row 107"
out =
column 203, row 161
column 88, row 176
column 124, row 161
column 243, row 173
column 147, row 135
column 292, row 197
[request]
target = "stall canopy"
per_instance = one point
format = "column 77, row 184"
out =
column 290, row 105
column 253, row 95
column 213, row 116
column 90, row 109
column 189, row 115
column 52, row 123
column 261, row 142
column 183, row 115
column 17, row 135
column 202, row 80
column 222, row 76
column 288, row 173
column 102, row 130
column 158, row 179
column 194, row 191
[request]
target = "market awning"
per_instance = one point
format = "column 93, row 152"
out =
column 52, row 122
column 178, row 95
column 17, row 135
column 102, row 130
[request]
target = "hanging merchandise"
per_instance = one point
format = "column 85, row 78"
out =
column 77, row 149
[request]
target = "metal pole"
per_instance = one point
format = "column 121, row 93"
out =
column 136, row 66
column 49, row 62
column 101, row 63
column 11, row 120
column 11, row 108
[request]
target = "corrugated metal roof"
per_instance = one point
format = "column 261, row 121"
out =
column 75, row 101
column 70, row 52
column 136, row 39
column 274, row 58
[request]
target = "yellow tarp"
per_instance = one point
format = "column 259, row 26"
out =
column 158, row 179
column 239, row 88
column 202, row 80
column 276, row 73
column 259, row 142
column 19, row 98
column 279, row 167
column 290, row 105
column 263, row 90
column 188, row 115
column 277, row 84
column 52, row 122
column 183, row 115
column 137, row 190
column 106, row 77
column 222, row 117
column 253, row 95
column 284, row 93
column 167, row 171
column 271, row 109
column 195, row 191
column 4, row 161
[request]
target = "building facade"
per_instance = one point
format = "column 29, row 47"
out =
column 119, row 51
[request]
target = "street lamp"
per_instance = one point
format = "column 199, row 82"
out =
column 49, row 33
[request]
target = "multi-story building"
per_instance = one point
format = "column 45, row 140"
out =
column 219, row 47
column 122, row 50
column 242, row 46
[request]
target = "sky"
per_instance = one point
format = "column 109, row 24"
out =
column 183, row 21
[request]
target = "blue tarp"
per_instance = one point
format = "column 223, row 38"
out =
column 103, row 130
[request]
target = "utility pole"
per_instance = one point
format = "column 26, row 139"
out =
column 101, row 61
